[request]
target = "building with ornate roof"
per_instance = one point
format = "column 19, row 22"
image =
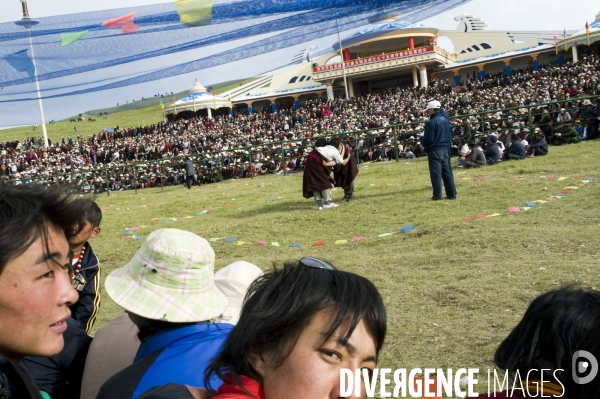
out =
column 391, row 53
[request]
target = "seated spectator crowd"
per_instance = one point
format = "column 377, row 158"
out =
column 228, row 147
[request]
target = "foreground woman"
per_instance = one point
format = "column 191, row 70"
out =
column 300, row 325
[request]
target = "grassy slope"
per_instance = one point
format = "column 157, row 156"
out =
column 126, row 117
column 453, row 289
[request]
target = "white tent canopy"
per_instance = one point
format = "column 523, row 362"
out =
column 197, row 99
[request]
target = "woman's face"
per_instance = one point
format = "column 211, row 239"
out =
column 312, row 370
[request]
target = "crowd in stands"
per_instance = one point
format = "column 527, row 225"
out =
column 242, row 145
column 191, row 333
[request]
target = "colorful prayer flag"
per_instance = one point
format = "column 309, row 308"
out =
column 124, row 22
column 71, row 37
column 194, row 12
column 21, row 62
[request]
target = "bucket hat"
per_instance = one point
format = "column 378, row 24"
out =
column 170, row 278
column 234, row 280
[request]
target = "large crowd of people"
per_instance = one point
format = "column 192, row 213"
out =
column 242, row 145
column 191, row 333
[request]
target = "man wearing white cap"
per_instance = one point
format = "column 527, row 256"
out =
column 438, row 144
column 564, row 116
column 170, row 293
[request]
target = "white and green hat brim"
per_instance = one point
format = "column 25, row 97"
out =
column 158, row 303
column 170, row 278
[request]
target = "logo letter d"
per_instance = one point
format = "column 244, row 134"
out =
column 580, row 366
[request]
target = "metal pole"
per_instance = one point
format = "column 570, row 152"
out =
column 482, row 123
column 106, row 180
column 160, row 176
column 135, row 178
column 356, row 149
column 28, row 23
column 283, row 158
column 396, row 144
column 37, row 87
column 530, row 123
column 342, row 57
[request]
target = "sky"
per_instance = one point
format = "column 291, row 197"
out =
column 505, row 15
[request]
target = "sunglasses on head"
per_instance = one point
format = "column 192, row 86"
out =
column 309, row 261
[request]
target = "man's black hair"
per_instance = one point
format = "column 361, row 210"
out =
column 92, row 214
column 148, row 327
column 27, row 211
column 335, row 142
column 550, row 332
column 281, row 304
column 321, row 142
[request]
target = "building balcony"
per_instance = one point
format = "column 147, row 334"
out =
column 393, row 60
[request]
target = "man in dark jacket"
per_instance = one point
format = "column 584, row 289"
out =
column 477, row 157
column 492, row 153
column 190, row 173
column 539, row 146
column 516, row 149
column 437, row 142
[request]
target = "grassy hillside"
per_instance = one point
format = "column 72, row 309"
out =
column 454, row 287
column 155, row 101
column 127, row 115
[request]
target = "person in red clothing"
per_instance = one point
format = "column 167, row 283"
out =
column 299, row 326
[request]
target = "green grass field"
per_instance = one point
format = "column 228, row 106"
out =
column 148, row 115
column 453, row 289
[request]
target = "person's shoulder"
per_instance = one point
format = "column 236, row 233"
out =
column 20, row 384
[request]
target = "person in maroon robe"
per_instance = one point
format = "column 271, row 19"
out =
column 316, row 178
column 345, row 173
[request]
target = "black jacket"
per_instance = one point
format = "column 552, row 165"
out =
column 60, row 375
column 15, row 382
column 87, row 284
column 541, row 145
column 189, row 168
column 492, row 154
column 438, row 135
column 517, row 149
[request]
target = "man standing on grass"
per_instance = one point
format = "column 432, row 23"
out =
column 438, row 144
column 190, row 173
